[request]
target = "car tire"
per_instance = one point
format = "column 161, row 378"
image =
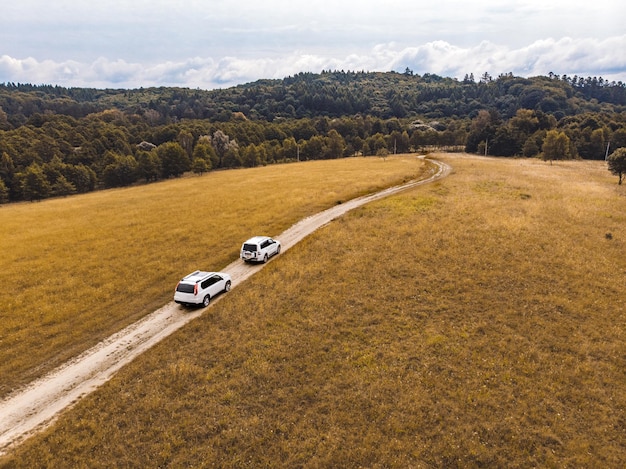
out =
column 206, row 300
column 278, row 250
column 227, row 286
column 265, row 259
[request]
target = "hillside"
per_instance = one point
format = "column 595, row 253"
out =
column 58, row 142
column 476, row 322
column 331, row 94
column 99, row 262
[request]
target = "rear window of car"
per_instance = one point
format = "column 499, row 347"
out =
column 249, row 247
column 184, row 288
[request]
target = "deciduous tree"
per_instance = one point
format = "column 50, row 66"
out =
column 205, row 151
column 232, row 158
column 123, row 171
column 185, row 140
column 250, row 156
column 199, row 166
column 290, row 149
column 149, row 165
column 556, row 146
column 313, row 149
column 82, row 177
column 174, row 159
column 222, row 144
column 617, row 163
column 335, row 145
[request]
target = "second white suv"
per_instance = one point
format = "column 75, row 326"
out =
column 259, row 249
column 199, row 287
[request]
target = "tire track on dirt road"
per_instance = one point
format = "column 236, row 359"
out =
column 36, row 406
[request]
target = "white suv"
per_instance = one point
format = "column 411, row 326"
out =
column 259, row 249
column 199, row 287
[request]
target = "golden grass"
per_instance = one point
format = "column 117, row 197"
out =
column 475, row 322
column 76, row 270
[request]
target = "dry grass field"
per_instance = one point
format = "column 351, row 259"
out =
column 78, row 269
column 479, row 321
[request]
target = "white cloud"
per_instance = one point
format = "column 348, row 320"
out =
column 194, row 43
column 583, row 57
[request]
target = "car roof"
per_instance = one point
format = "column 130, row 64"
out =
column 257, row 239
column 197, row 276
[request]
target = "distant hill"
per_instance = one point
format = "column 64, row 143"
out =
column 57, row 141
column 332, row 94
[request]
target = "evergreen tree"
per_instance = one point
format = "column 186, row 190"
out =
column 4, row 192
column 7, row 172
column 63, row 187
column 34, row 185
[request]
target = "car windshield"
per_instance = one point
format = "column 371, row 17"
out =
column 184, row 288
column 249, row 247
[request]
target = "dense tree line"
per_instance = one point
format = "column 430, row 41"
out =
column 331, row 94
column 56, row 141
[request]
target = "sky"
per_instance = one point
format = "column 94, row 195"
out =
column 211, row 44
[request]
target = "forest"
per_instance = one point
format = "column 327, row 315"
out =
column 57, row 141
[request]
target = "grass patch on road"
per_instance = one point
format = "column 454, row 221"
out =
column 78, row 269
column 478, row 321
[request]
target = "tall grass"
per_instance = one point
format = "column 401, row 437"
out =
column 76, row 270
column 475, row 322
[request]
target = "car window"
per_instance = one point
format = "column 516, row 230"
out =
column 210, row 281
column 184, row 288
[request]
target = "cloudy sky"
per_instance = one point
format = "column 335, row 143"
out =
column 212, row 44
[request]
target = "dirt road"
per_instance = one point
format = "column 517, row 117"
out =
column 31, row 409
